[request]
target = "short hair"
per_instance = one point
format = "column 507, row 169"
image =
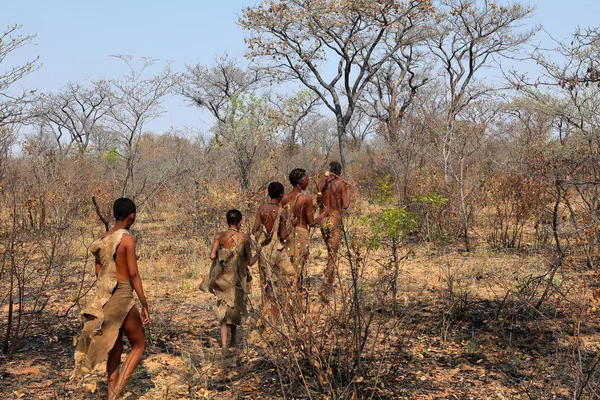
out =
column 297, row 175
column 234, row 217
column 335, row 167
column 122, row 208
column 276, row 189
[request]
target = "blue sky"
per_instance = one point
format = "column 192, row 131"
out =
column 75, row 38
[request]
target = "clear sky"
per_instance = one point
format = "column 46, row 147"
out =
column 75, row 38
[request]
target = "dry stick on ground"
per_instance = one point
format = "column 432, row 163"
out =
column 587, row 379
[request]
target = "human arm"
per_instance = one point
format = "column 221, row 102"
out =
column 323, row 214
column 345, row 187
column 311, row 221
column 257, row 221
column 248, row 251
column 321, row 184
column 214, row 248
column 134, row 275
column 306, row 207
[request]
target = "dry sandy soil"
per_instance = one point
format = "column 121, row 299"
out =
column 495, row 349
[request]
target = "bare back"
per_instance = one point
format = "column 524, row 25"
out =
column 124, row 256
column 121, row 258
column 228, row 239
column 266, row 215
column 302, row 207
column 335, row 194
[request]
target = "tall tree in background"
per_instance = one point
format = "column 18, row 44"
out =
column 388, row 101
column 243, row 119
column 334, row 48
column 134, row 100
column 74, row 114
column 567, row 92
column 290, row 111
column 469, row 37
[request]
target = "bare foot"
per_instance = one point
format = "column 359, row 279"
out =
column 225, row 352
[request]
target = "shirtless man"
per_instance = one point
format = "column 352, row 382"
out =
column 271, row 232
column 335, row 195
column 229, row 276
column 300, row 207
column 112, row 312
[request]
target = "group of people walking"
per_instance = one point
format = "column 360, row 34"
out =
column 281, row 247
column 281, row 232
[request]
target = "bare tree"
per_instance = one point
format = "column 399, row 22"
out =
column 389, row 99
column 468, row 38
column 302, row 39
column 290, row 111
column 133, row 101
column 12, row 103
column 244, row 121
column 567, row 93
column 394, row 89
column 74, row 113
column 214, row 87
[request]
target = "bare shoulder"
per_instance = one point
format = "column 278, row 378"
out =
column 127, row 239
column 305, row 198
column 219, row 236
column 339, row 184
column 285, row 199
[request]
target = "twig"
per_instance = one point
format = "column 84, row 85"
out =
column 97, row 208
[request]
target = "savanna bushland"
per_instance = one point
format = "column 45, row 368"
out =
column 469, row 254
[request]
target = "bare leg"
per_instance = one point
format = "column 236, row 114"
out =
column 332, row 256
column 112, row 365
column 301, row 291
column 133, row 329
column 224, row 349
column 233, row 341
column 332, row 240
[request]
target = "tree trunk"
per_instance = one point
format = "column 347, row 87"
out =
column 342, row 140
column 396, row 273
column 6, row 342
column 463, row 205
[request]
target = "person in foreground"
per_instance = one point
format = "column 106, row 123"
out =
column 228, row 278
column 112, row 312
column 334, row 193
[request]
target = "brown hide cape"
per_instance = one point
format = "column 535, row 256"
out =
column 297, row 244
column 227, row 279
column 106, row 310
column 274, row 266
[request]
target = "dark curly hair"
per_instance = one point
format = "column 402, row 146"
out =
column 297, row 175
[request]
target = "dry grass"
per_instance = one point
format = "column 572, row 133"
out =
column 463, row 330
